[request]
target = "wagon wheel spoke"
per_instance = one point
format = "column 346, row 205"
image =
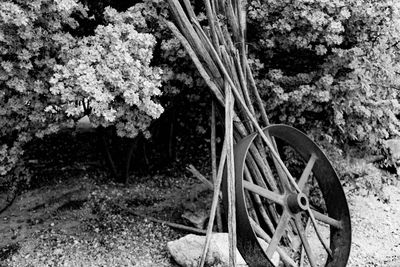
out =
column 326, row 219
column 279, row 231
column 307, row 171
column 277, row 198
column 301, row 231
column 282, row 253
column 318, row 232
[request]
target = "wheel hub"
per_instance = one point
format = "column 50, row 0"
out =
column 297, row 202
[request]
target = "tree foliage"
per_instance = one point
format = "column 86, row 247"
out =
column 330, row 67
column 49, row 77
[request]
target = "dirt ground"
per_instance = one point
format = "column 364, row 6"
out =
column 73, row 223
column 376, row 229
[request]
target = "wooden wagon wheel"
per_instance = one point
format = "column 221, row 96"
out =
column 308, row 228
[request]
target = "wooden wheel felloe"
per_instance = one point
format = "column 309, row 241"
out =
column 310, row 227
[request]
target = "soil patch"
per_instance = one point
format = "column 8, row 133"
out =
column 80, row 223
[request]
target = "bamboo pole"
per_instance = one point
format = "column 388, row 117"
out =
column 214, row 162
column 230, row 176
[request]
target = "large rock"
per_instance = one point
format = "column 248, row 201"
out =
column 187, row 251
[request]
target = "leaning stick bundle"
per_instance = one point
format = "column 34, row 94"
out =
column 219, row 53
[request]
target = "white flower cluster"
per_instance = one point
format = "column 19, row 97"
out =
column 111, row 70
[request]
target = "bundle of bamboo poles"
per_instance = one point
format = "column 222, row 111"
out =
column 219, row 52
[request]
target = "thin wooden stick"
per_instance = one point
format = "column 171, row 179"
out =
column 227, row 37
column 189, row 8
column 229, row 63
column 215, row 200
column 220, row 35
column 259, row 102
column 229, row 104
column 241, row 15
column 214, row 162
column 170, row 224
column 212, row 19
column 201, row 177
column 244, row 84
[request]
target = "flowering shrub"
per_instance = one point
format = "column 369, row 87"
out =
column 330, row 67
column 110, row 72
column 50, row 78
column 31, row 34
